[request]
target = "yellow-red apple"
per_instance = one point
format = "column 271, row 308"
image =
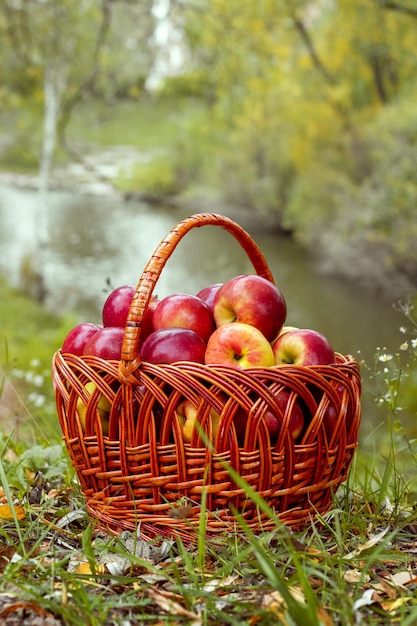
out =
column 303, row 346
column 103, row 407
column 187, row 416
column 240, row 345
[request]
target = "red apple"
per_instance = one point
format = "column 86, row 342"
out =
column 303, row 347
column 78, row 336
column 240, row 420
column 239, row 345
column 331, row 414
column 147, row 319
column 116, row 307
column 253, row 300
column 296, row 419
column 106, row 343
column 168, row 345
column 182, row 310
column 273, row 425
column 207, row 294
column 274, row 419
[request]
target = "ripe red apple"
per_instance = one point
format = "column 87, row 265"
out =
column 147, row 319
column 116, row 307
column 303, row 347
column 273, row 425
column 239, row 345
column 106, row 343
column 296, row 420
column 168, row 345
column 240, row 420
column 78, row 336
column 253, row 300
column 331, row 414
column 182, row 310
column 274, row 419
column 207, row 294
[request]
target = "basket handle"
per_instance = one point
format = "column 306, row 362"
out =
column 130, row 359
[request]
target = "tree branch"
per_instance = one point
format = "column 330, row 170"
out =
column 318, row 63
column 88, row 85
column 399, row 8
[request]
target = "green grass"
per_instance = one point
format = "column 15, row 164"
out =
column 356, row 564
column 147, row 124
column 29, row 335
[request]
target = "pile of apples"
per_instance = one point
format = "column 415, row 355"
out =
column 239, row 323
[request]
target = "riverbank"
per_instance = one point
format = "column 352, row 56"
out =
column 96, row 176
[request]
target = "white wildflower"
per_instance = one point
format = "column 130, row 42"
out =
column 36, row 399
column 404, row 345
column 18, row 373
column 38, row 380
column 385, row 357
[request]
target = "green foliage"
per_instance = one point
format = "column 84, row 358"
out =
column 156, row 177
column 63, row 53
column 20, row 156
column 189, row 85
column 318, row 130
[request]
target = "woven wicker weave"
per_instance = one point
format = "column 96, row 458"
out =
column 140, row 472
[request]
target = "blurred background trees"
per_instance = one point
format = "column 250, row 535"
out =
column 301, row 112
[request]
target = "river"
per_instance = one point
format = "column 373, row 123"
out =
column 97, row 240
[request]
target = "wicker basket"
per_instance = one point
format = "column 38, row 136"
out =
column 140, row 473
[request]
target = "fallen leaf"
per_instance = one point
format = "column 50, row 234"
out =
column 386, row 587
column 403, row 578
column 355, row 575
column 115, row 563
column 6, row 554
column 20, row 605
column 215, row 583
column 84, row 569
column 169, row 602
column 6, row 512
column 370, row 596
column 393, row 606
column 373, row 541
column 275, row 602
